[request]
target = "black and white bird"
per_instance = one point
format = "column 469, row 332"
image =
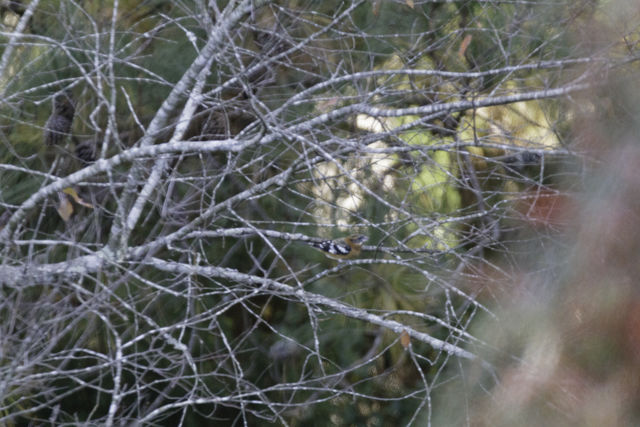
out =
column 346, row 248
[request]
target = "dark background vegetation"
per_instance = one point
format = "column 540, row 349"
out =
column 155, row 266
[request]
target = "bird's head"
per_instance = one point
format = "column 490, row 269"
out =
column 63, row 103
column 358, row 239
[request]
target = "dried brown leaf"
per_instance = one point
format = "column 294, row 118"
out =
column 405, row 339
column 464, row 45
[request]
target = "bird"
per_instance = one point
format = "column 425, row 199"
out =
column 520, row 160
column 59, row 122
column 348, row 247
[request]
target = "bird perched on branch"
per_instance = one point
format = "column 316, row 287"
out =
column 348, row 247
column 59, row 122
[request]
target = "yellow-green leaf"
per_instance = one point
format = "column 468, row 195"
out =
column 65, row 208
column 74, row 194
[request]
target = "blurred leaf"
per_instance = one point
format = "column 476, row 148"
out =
column 376, row 7
column 405, row 339
column 464, row 45
column 65, row 208
column 74, row 194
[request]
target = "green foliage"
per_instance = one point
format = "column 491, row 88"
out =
column 425, row 190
